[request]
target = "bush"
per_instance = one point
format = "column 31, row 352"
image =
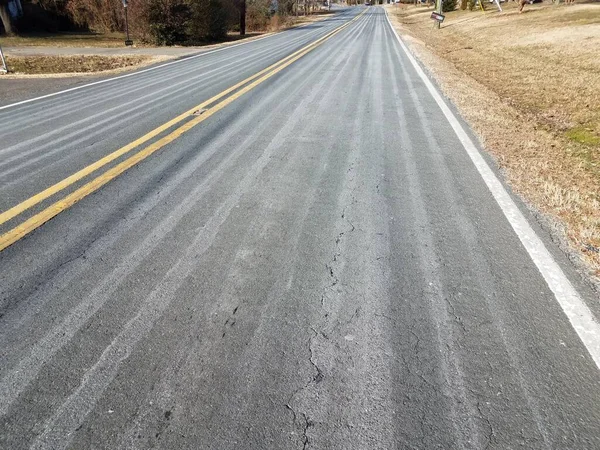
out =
column 285, row 7
column 167, row 21
column 449, row 5
column 103, row 16
column 162, row 22
column 258, row 14
column 208, row 20
column 279, row 21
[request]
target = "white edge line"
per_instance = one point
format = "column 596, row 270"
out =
column 578, row 313
column 182, row 59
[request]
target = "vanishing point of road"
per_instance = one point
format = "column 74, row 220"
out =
column 292, row 242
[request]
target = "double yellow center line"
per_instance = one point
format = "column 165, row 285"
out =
column 223, row 99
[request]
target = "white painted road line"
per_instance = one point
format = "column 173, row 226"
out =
column 576, row 310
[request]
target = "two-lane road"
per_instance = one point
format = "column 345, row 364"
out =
column 282, row 244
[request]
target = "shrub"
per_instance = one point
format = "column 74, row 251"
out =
column 103, row 16
column 167, row 20
column 449, row 5
column 258, row 14
column 208, row 20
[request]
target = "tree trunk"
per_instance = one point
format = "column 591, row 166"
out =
column 5, row 17
column 242, row 17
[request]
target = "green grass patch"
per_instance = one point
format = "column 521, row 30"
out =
column 583, row 135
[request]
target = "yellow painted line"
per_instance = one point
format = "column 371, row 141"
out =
column 56, row 208
column 50, row 191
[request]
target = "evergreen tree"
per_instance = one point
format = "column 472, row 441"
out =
column 208, row 20
column 168, row 20
column 449, row 5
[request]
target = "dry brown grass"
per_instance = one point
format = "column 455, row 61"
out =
column 65, row 40
column 529, row 86
column 35, row 65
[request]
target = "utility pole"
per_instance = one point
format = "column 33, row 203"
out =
column 128, row 41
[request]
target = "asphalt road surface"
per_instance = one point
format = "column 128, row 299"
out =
column 311, row 259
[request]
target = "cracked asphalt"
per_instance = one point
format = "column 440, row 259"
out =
column 319, row 265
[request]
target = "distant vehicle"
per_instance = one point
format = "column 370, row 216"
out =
column 367, row 3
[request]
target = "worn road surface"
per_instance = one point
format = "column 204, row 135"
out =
column 316, row 263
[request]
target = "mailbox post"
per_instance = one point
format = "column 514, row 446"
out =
column 438, row 12
column 127, row 41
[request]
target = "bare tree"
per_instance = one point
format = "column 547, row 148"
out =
column 5, row 17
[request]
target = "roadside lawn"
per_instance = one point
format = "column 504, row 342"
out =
column 64, row 40
column 94, row 40
column 529, row 85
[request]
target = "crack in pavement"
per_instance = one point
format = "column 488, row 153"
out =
column 308, row 423
column 457, row 319
column 490, row 436
column 316, row 379
column 319, row 376
column 332, row 273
